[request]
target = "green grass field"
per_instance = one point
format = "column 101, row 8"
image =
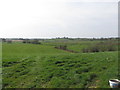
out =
column 43, row 66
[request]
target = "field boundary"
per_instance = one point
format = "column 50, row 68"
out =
column 68, row 50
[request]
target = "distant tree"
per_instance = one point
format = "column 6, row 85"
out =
column 35, row 41
column 20, row 38
column 26, row 41
column 65, row 37
column 71, row 39
column 3, row 40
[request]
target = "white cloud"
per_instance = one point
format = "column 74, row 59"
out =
column 52, row 18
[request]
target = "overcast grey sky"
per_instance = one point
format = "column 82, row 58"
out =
column 58, row 18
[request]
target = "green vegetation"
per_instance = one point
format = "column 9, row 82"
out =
column 102, row 47
column 27, row 65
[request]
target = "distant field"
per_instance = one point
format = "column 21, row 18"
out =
column 43, row 66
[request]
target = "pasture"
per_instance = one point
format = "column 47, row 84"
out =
column 44, row 66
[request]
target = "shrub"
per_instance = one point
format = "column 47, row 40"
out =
column 111, row 48
column 32, row 41
column 35, row 41
column 94, row 49
column 26, row 41
column 64, row 47
column 101, row 46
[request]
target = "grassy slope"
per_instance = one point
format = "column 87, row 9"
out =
column 27, row 66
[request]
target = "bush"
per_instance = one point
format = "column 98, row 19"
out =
column 26, row 41
column 111, row 48
column 101, row 46
column 35, row 42
column 94, row 49
column 64, row 47
column 31, row 41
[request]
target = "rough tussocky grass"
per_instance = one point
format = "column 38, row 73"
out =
column 43, row 66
